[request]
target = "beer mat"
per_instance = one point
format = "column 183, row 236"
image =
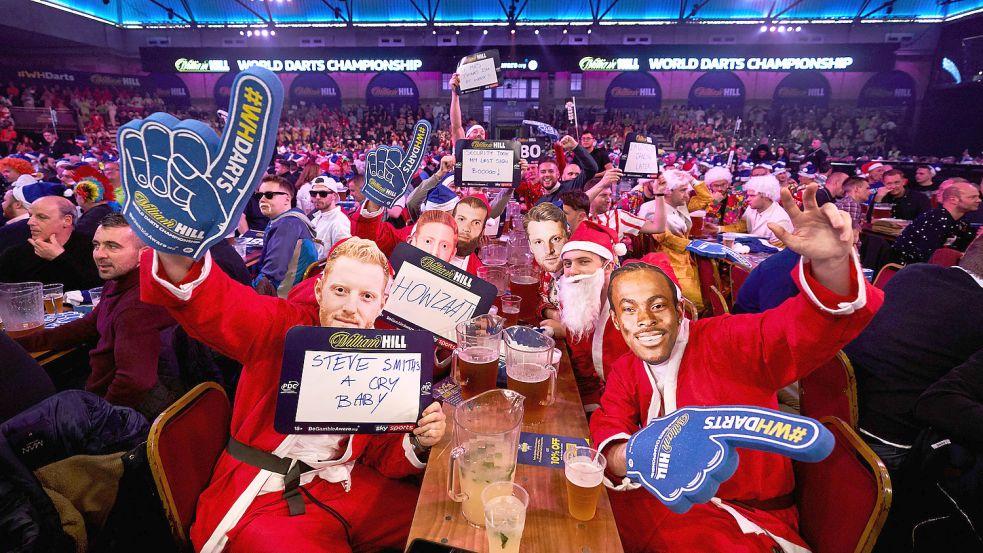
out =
column 545, row 450
column 447, row 391
column 56, row 320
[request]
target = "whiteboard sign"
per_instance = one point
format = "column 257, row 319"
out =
column 640, row 159
column 489, row 163
column 353, row 381
column 479, row 71
column 433, row 295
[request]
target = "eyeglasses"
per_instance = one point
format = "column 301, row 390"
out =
column 321, row 193
column 268, row 195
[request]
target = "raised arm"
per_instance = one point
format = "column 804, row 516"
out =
column 419, row 195
column 457, row 122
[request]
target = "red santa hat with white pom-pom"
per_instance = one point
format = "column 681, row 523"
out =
column 594, row 238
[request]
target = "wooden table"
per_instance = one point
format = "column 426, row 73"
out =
column 549, row 526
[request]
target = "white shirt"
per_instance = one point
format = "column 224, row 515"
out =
column 757, row 222
column 304, row 201
column 330, row 227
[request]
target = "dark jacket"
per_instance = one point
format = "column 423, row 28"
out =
column 89, row 221
column 14, row 234
column 589, row 167
column 74, row 267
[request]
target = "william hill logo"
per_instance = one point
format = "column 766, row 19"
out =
column 434, row 266
column 347, row 340
column 665, row 453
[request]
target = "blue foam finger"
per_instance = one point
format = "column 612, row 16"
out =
column 388, row 169
column 683, row 458
column 186, row 187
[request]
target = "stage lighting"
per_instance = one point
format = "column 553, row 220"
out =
column 781, row 29
column 434, row 31
column 485, row 32
column 242, row 33
column 272, row 33
column 798, row 29
column 764, row 28
column 771, row 29
column 589, row 30
column 457, row 31
column 536, row 31
column 512, row 32
column 265, row 32
column 249, row 33
column 564, row 30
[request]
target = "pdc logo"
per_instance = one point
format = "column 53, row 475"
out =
column 289, row 387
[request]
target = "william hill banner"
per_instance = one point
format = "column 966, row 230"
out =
column 633, row 91
column 807, row 88
column 315, row 89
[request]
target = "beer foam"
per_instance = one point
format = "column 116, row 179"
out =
column 523, row 279
column 478, row 355
column 583, row 473
column 529, row 373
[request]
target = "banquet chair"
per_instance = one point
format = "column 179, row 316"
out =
column 184, row 444
column 738, row 275
column 830, row 390
column 946, row 257
column 717, row 302
column 886, row 273
column 707, row 271
column 843, row 500
column 314, row 269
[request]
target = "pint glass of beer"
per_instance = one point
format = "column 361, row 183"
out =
column 475, row 364
column 524, row 282
column 511, row 305
column 21, row 308
column 584, row 470
column 54, row 298
column 697, row 230
column 536, row 382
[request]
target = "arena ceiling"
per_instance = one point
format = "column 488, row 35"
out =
column 438, row 13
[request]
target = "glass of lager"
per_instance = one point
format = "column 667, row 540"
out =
column 505, row 506
column 584, row 470
column 479, row 345
column 54, row 298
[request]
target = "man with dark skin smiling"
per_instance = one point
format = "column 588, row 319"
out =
column 727, row 360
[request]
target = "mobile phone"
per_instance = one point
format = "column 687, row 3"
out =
column 426, row 546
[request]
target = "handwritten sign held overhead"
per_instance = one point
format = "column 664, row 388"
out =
column 479, row 71
column 353, row 381
column 492, row 163
column 433, row 295
column 640, row 159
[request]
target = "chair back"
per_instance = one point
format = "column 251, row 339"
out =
column 717, row 302
column 314, row 269
column 830, row 390
column 886, row 273
column 738, row 275
column 183, row 446
column 707, row 271
column 946, row 257
column 844, row 499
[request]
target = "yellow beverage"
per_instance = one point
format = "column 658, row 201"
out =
column 505, row 518
column 583, row 488
column 485, row 461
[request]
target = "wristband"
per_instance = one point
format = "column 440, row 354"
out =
column 416, row 443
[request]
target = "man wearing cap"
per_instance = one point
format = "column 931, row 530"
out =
column 344, row 492
column 904, row 204
column 588, row 259
column 763, row 193
column 728, row 360
column 54, row 253
column 17, row 171
column 331, row 225
column 16, row 210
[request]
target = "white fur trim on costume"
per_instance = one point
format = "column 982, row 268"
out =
column 410, row 454
column 182, row 292
column 620, row 249
column 843, row 308
column 625, row 483
column 583, row 245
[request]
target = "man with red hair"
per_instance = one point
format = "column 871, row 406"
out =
column 18, row 171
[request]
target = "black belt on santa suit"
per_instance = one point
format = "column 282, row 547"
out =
column 774, row 504
column 290, row 469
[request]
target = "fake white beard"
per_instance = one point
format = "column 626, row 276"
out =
column 580, row 302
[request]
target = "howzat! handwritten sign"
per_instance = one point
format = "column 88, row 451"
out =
column 430, row 294
column 683, row 458
column 479, row 71
column 353, row 381
column 186, row 187
column 492, row 163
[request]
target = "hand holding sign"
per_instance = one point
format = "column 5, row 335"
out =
column 185, row 187
column 388, row 169
column 683, row 458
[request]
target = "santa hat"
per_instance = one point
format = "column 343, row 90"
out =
column 743, row 175
column 30, row 193
column 717, row 173
column 766, row 165
column 765, row 185
column 93, row 186
column 779, row 168
column 866, row 168
column 660, row 261
column 594, row 238
column 808, row 170
column 441, row 198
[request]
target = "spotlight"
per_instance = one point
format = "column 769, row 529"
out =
column 564, row 30
column 771, row 29
column 242, row 33
column 249, row 33
column 512, row 32
column 484, row 32
column 798, row 29
column 272, row 33
column 457, row 31
column 764, row 28
column 265, row 32
column 589, row 30
column 536, row 31
column 434, row 31
column 781, row 29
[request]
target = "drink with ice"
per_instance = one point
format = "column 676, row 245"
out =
column 485, row 461
column 505, row 506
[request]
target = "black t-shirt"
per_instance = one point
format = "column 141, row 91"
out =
column 601, row 157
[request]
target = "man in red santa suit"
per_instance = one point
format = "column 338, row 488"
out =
column 588, row 259
column 727, row 360
column 470, row 215
column 276, row 492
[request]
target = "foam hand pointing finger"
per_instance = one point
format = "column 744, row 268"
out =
column 186, row 187
column 683, row 458
column 388, row 169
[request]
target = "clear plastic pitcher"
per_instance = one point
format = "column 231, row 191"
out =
column 479, row 346
column 21, row 307
column 486, row 442
column 530, row 370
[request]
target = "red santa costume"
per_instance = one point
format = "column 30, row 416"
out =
column 729, row 360
column 369, row 225
column 243, row 508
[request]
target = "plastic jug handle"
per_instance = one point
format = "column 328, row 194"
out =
column 453, row 479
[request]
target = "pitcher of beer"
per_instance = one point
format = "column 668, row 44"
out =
column 479, row 346
column 486, row 443
column 530, row 371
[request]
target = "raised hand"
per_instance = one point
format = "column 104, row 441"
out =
column 821, row 234
column 186, row 187
column 683, row 458
column 388, row 169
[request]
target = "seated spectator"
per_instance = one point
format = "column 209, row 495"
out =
column 769, row 284
column 331, row 225
column 940, row 226
column 55, row 253
column 576, row 208
column 16, row 211
column 96, row 196
column 17, row 171
column 832, row 189
column 727, row 206
column 763, row 194
column 288, row 242
column 855, row 194
column 126, row 331
column 905, row 204
column 924, row 180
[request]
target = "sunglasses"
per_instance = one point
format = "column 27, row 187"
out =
column 268, row 195
column 321, row 193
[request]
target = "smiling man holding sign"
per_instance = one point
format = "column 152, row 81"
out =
column 648, row 426
column 270, row 491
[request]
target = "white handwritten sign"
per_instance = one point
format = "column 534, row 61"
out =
column 487, row 163
column 353, row 380
column 479, row 71
column 640, row 159
column 430, row 294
